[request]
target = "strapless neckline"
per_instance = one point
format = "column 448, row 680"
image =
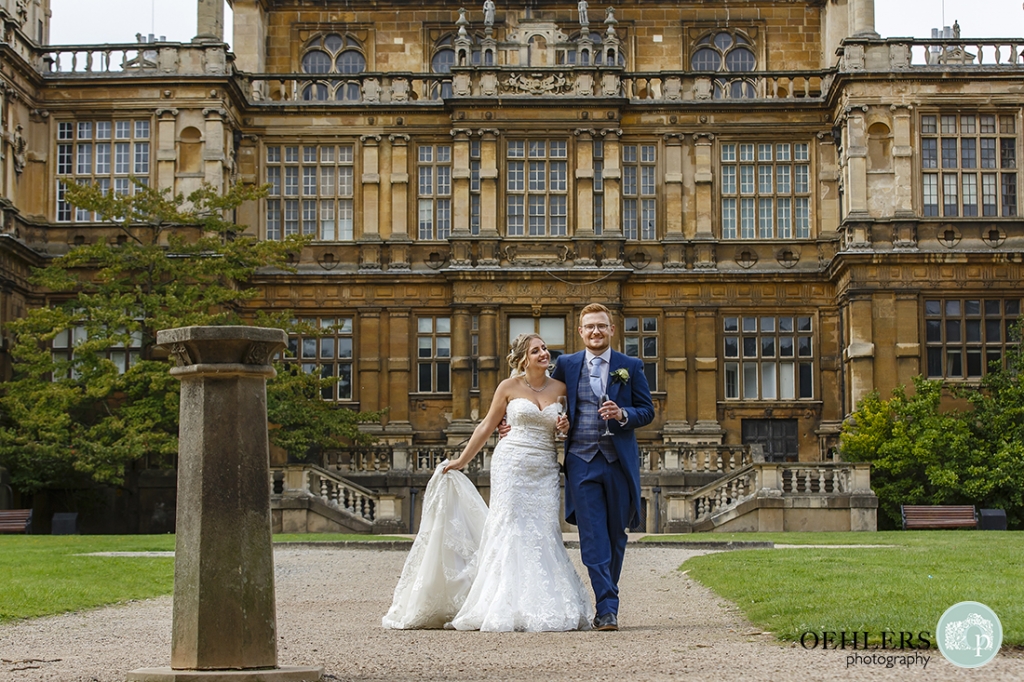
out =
column 539, row 408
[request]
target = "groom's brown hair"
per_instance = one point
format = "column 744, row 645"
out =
column 596, row 308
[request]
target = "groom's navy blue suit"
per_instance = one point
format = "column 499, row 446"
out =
column 602, row 491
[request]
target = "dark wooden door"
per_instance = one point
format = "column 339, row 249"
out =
column 777, row 438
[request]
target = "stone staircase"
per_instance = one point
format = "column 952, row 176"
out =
column 702, row 488
column 306, row 498
column 776, row 496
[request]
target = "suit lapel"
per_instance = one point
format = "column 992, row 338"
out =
column 614, row 385
column 573, row 367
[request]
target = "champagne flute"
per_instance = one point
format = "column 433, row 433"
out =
column 563, row 407
column 607, row 430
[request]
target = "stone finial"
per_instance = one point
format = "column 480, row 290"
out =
column 610, row 21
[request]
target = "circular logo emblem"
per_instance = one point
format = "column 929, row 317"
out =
column 969, row 634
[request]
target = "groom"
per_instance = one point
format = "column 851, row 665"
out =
column 602, row 483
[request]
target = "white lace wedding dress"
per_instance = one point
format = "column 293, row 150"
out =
column 520, row 578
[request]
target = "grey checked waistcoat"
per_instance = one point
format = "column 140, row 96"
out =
column 586, row 437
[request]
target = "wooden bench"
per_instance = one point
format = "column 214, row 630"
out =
column 15, row 520
column 919, row 517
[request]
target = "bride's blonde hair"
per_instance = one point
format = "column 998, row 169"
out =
column 518, row 357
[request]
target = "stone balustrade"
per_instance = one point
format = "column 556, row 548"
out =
column 416, row 459
column 695, row 459
column 346, row 89
column 475, row 82
column 132, row 59
column 896, row 54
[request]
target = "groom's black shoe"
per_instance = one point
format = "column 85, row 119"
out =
column 606, row 622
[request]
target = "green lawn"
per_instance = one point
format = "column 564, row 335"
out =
column 903, row 586
column 44, row 574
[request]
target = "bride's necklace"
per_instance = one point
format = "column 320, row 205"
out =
column 536, row 390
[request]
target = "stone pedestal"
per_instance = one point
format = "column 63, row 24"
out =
column 224, row 625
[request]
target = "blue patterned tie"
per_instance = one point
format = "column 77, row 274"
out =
column 595, row 377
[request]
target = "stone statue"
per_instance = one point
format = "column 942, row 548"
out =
column 488, row 12
column 582, row 8
column 956, row 30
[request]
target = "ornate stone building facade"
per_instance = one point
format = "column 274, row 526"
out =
column 784, row 209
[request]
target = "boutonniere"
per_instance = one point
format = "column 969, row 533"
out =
column 621, row 375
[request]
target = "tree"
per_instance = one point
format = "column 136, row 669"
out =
column 89, row 395
column 998, row 426
column 919, row 455
column 922, row 455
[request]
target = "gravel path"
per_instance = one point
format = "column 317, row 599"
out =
column 330, row 602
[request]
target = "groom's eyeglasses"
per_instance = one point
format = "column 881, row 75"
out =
column 596, row 327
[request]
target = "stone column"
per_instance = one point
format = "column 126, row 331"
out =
column 462, row 376
column 856, row 164
column 859, row 354
column 213, row 147
column 902, row 161
column 828, row 185
column 249, row 24
column 399, row 240
column 584, row 182
column 491, row 358
column 210, row 24
column 862, row 18
column 224, row 619
column 489, row 237
column 583, row 233
column 398, row 374
column 370, row 237
column 489, row 182
column 675, row 208
column 166, row 156
column 908, row 338
column 707, row 429
column 701, row 228
column 612, row 184
column 368, row 368
column 677, row 425
column 461, row 240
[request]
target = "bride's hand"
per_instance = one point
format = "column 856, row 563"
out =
column 562, row 424
column 452, row 465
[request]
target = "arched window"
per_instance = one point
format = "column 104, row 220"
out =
column 332, row 54
column 351, row 61
column 443, row 61
column 726, row 52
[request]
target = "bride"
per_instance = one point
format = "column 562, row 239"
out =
column 512, row 572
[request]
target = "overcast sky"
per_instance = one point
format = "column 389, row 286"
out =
column 84, row 22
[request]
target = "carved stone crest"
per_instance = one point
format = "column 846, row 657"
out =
column 536, row 84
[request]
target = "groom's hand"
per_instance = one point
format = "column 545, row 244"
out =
column 609, row 410
column 503, row 428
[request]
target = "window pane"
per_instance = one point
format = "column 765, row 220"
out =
column 750, row 381
column 732, row 389
column 768, row 381
column 806, row 382
column 787, row 383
